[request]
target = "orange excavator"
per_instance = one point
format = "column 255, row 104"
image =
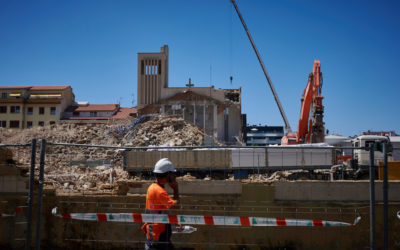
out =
column 311, row 129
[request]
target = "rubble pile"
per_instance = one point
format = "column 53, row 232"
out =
column 164, row 130
column 69, row 167
column 62, row 133
column 87, row 179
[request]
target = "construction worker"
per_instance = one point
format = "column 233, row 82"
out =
column 158, row 235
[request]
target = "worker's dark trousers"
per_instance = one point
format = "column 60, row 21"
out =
column 163, row 243
column 157, row 245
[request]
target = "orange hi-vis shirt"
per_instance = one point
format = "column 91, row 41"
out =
column 157, row 201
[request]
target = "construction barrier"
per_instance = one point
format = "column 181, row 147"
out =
column 17, row 211
column 201, row 219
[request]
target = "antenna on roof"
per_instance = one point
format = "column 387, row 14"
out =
column 210, row 74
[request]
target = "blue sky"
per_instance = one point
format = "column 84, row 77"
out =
column 93, row 46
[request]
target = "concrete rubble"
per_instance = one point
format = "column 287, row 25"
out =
column 164, row 130
column 77, row 169
column 86, row 169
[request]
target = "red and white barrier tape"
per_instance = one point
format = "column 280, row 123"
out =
column 17, row 211
column 201, row 219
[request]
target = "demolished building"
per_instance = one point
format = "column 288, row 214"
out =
column 216, row 111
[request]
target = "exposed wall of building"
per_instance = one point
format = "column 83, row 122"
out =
column 234, row 121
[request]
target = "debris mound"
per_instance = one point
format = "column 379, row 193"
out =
column 90, row 169
column 164, row 130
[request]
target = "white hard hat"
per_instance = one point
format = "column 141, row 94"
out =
column 164, row 166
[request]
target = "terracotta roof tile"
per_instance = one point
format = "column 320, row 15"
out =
column 36, row 87
column 15, row 87
column 97, row 107
column 87, row 118
column 124, row 113
column 49, row 87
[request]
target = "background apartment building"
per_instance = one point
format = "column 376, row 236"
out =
column 84, row 112
column 28, row 106
column 264, row 135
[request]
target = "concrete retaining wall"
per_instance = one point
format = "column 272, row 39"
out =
column 187, row 159
column 196, row 187
column 309, row 200
column 341, row 191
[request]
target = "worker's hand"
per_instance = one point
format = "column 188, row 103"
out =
column 172, row 182
column 174, row 185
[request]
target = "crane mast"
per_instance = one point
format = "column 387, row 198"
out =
column 285, row 120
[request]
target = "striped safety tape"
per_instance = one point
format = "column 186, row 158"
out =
column 17, row 211
column 201, row 219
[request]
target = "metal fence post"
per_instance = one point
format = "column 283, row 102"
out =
column 40, row 192
column 385, row 196
column 371, row 196
column 30, row 194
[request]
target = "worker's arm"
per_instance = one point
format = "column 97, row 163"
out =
column 174, row 185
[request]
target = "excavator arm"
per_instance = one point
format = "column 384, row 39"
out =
column 311, row 126
column 306, row 101
column 311, row 130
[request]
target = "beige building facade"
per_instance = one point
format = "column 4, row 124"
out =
column 28, row 106
column 216, row 111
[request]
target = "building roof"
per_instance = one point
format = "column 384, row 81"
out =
column 50, row 87
column 124, row 113
column 37, row 87
column 88, row 118
column 120, row 114
column 92, row 107
column 187, row 96
column 15, row 87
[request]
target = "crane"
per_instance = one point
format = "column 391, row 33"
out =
column 285, row 120
column 310, row 130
